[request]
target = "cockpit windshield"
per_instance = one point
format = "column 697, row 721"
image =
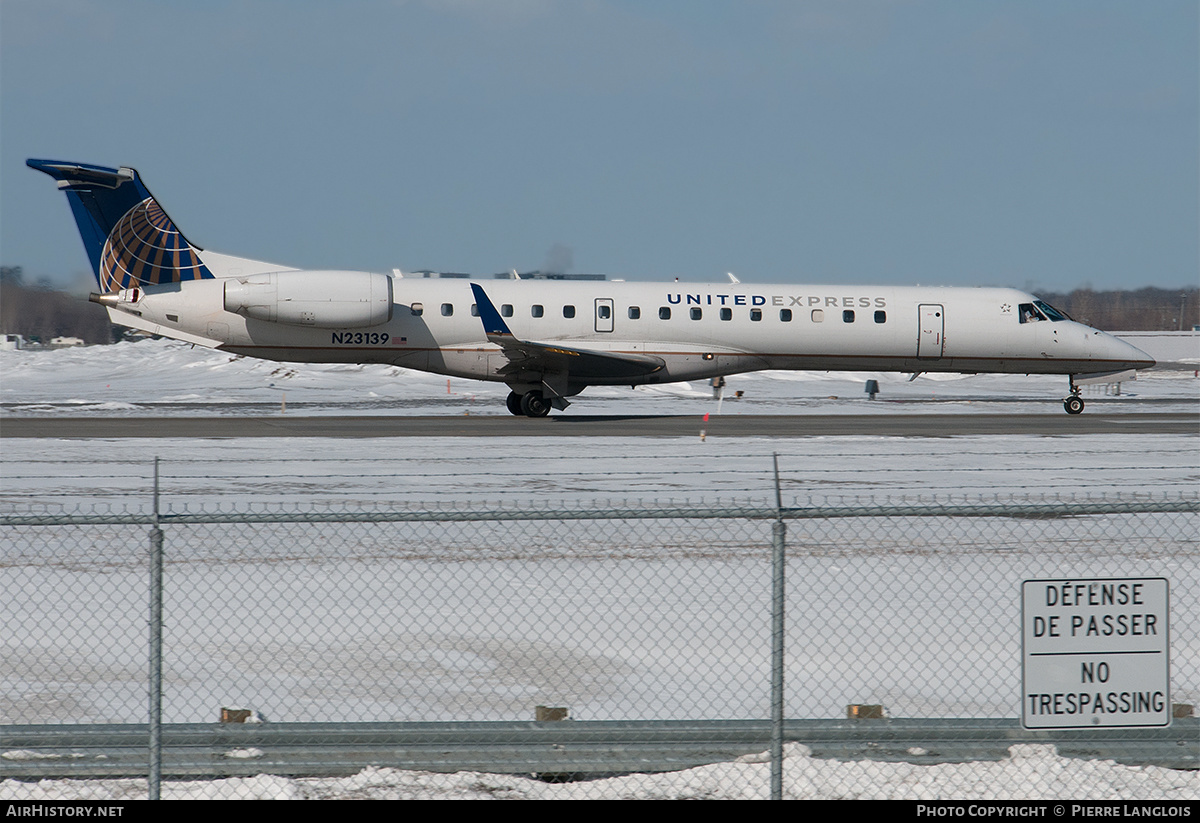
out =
column 1039, row 310
column 1051, row 312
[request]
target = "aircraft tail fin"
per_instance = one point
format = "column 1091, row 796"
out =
column 129, row 239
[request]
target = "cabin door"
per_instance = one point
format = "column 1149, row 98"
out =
column 604, row 314
column 933, row 323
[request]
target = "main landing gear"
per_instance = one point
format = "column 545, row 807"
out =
column 1074, row 403
column 530, row 404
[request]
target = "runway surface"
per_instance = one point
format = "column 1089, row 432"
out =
column 356, row 426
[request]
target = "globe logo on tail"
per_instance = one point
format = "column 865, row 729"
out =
column 144, row 248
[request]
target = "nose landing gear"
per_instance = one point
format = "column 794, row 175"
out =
column 1074, row 403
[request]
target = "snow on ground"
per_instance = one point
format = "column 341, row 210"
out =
column 1030, row 773
column 166, row 378
column 398, row 472
column 482, row 622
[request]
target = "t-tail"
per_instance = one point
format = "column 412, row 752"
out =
column 128, row 237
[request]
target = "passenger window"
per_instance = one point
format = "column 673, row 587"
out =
column 880, row 317
column 664, row 313
column 818, row 315
column 848, row 316
column 635, row 313
column 756, row 315
column 603, row 312
column 785, row 315
column 697, row 313
column 568, row 311
column 536, row 310
column 418, row 309
column 447, row 309
column 474, row 309
column 506, row 310
column 726, row 314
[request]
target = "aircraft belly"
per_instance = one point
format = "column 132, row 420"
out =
column 474, row 363
column 701, row 366
column 1006, row 365
column 882, row 363
column 410, row 359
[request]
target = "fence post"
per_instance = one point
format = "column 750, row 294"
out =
column 778, row 531
column 156, row 564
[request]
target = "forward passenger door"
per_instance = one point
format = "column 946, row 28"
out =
column 931, row 342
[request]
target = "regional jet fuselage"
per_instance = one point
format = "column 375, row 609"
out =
column 549, row 340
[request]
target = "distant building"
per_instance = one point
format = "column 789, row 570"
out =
column 545, row 275
column 12, row 342
column 504, row 275
column 439, row 275
column 1169, row 348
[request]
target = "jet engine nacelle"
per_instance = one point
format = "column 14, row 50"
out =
column 325, row 299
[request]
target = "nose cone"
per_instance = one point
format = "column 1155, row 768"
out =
column 1122, row 354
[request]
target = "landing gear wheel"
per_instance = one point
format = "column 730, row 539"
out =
column 1073, row 405
column 514, row 403
column 534, row 405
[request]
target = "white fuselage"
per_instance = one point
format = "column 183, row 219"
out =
column 547, row 339
column 698, row 331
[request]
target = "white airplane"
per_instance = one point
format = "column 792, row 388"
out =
column 549, row 340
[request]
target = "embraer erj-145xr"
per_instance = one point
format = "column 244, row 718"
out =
column 549, row 340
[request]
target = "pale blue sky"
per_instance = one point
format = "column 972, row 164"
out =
column 1052, row 143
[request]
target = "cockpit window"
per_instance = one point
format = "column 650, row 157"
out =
column 1051, row 312
column 1028, row 314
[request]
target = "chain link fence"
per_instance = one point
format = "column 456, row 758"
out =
column 637, row 624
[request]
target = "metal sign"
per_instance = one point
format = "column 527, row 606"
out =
column 1095, row 653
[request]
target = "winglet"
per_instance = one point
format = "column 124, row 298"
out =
column 493, row 323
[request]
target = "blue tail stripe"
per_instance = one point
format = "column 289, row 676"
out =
column 89, row 230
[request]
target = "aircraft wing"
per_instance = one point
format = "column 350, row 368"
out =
column 579, row 364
